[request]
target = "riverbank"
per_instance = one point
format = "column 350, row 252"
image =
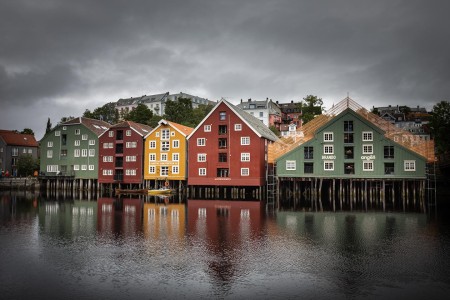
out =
column 19, row 183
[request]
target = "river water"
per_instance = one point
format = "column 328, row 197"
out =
column 155, row 248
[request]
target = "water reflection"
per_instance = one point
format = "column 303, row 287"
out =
column 158, row 247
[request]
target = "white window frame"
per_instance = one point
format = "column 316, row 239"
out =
column 326, row 149
column 57, row 133
column 152, row 170
column 165, row 134
column 164, row 157
column 161, row 173
column 291, row 165
column 165, row 145
column 328, row 137
column 128, row 132
column 91, row 142
column 201, row 142
column 91, row 152
column 77, row 143
column 175, row 170
column 367, row 149
column 91, row 168
column 84, row 137
column 245, row 156
column 152, row 144
column 49, row 154
column 50, row 144
column 176, row 144
column 77, row 131
column 175, row 156
column 201, row 171
column 245, row 172
column 83, row 167
column 207, row 128
column 111, row 133
column 245, row 141
column 76, row 167
column 328, row 163
column 201, row 157
column 52, row 168
column 84, row 153
column 76, row 153
column 152, row 156
column 237, row 127
column 409, row 165
column 367, row 136
column 368, row 165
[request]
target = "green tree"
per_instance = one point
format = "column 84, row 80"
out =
column 179, row 111
column 311, row 107
column 313, row 101
column 65, row 119
column 107, row 113
column 26, row 165
column 275, row 130
column 440, row 123
column 141, row 114
column 153, row 122
column 27, row 131
column 49, row 126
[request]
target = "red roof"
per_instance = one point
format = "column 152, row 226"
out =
column 14, row 138
column 141, row 129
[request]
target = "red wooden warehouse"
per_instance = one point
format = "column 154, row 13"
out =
column 229, row 148
column 121, row 153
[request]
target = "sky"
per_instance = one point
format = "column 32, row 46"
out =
column 61, row 57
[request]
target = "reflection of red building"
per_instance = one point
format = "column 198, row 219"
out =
column 131, row 216
column 105, row 215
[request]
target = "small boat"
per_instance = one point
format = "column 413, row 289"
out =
column 163, row 191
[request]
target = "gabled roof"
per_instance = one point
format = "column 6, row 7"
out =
column 14, row 138
column 153, row 98
column 140, row 129
column 184, row 130
column 96, row 126
column 255, row 124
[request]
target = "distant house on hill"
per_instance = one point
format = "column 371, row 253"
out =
column 12, row 146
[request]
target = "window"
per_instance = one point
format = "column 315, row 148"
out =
column 410, row 165
column 367, row 149
column 222, row 129
column 76, row 153
column 222, row 143
column 91, row 152
column 348, row 138
column 119, row 135
column 57, row 133
column 128, row 133
column 388, row 151
column 237, row 127
column 152, row 157
column 389, row 168
column 222, row 116
column 223, row 157
column 129, row 158
column 175, row 157
column 83, row 167
column 328, row 149
column 77, row 167
column 49, row 144
column 77, row 143
column 261, row 114
column 202, row 172
column 175, row 170
column 291, row 165
column 64, row 128
column 52, row 168
column 84, row 137
column 105, row 145
column 152, row 169
column 309, row 152
column 84, row 152
column 91, row 167
column 130, row 172
column 201, row 157
column 152, row 145
column 201, row 142
column 92, row 142
column 164, row 171
column 348, row 152
column 111, row 133
column 367, row 165
column 63, row 153
column 77, row 131
column 49, row 153
column 30, row 151
column 131, row 145
column 245, row 171
column 327, row 136
column 349, row 168
column 308, row 168
column 328, row 165
column 64, row 140
column 367, row 136
column 207, row 128
column 348, row 126
column 165, row 134
column 222, row 172
column 175, row 144
column 107, row 158
column 15, row 151
column 164, row 156
column 165, row 145
column 245, row 156
column 245, row 140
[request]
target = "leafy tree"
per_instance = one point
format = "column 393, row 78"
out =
column 49, row 126
column 65, row 119
column 313, row 101
column 275, row 130
column 141, row 114
column 404, row 109
column 27, row 131
column 440, row 122
column 311, row 107
column 199, row 114
column 153, row 122
column 26, row 165
column 107, row 113
column 179, row 111
column 375, row 111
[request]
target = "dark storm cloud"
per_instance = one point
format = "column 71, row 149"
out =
column 81, row 54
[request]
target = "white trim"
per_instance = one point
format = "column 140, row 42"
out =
column 291, row 165
column 329, row 162
column 407, row 164
column 366, row 164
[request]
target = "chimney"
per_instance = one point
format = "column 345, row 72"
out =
column 292, row 101
column 249, row 99
column 277, row 101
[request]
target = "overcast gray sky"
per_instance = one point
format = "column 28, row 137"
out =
column 58, row 58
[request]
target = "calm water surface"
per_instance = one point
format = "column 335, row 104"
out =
column 152, row 248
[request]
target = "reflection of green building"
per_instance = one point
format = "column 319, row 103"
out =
column 70, row 151
column 350, row 152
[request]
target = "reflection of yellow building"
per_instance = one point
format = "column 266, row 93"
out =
column 166, row 152
column 164, row 221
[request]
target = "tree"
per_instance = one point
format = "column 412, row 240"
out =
column 275, row 130
column 65, row 119
column 26, row 165
column 107, row 113
column 313, row 101
column 27, row 131
column 440, row 122
column 310, row 108
column 49, row 126
column 141, row 114
column 179, row 111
